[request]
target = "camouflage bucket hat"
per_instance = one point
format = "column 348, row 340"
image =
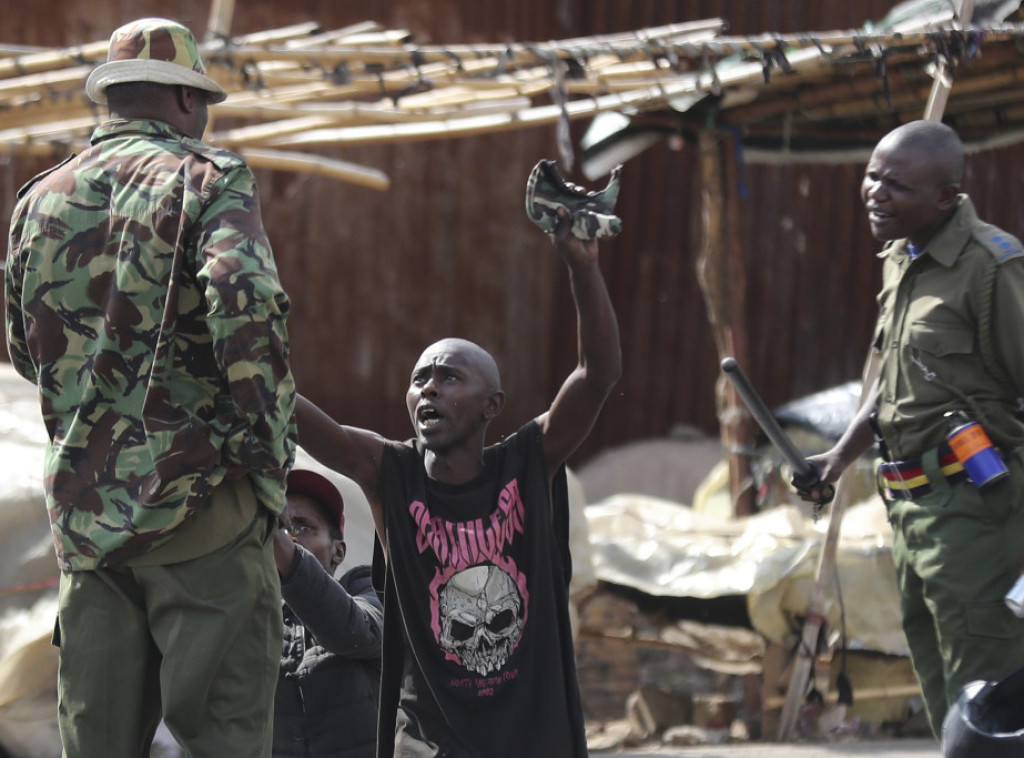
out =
column 152, row 50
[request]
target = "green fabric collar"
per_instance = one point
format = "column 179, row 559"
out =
column 945, row 247
column 120, row 127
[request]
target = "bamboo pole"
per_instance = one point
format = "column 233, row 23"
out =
column 52, row 59
column 943, row 76
column 282, row 35
column 317, row 165
column 351, row 38
column 332, row 37
column 44, row 81
column 218, row 26
column 347, row 115
column 48, row 132
column 262, row 133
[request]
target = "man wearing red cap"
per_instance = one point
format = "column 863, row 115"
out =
column 329, row 681
column 144, row 303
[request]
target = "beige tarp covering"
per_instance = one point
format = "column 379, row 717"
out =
column 663, row 548
column 28, row 572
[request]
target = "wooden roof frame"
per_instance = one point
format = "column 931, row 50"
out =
column 299, row 90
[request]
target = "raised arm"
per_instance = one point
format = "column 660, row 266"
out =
column 353, row 452
column 575, row 408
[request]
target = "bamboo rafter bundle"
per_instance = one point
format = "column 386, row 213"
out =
column 645, row 45
column 302, row 87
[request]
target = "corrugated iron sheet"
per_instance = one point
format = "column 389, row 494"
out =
column 448, row 251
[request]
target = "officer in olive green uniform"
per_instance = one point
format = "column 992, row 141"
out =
column 947, row 340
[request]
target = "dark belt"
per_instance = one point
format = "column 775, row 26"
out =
column 907, row 480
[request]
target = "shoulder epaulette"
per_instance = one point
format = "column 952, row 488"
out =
column 27, row 185
column 1001, row 244
column 218, row 156
column 1003, row 247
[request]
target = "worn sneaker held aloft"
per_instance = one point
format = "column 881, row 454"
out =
column 592, row 213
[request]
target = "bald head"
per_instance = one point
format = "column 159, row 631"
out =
column 936, row 143
column 467, row 353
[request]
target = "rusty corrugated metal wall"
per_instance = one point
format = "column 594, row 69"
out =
column 374, row 277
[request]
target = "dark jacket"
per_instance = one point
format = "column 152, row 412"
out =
column 329, row 682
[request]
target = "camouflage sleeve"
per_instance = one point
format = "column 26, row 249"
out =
column 17, row 344
column 247, row 312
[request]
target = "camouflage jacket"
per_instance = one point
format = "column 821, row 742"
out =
column 144, row 302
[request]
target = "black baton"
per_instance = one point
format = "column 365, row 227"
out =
column 805, row 473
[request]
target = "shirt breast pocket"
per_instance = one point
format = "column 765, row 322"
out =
column 941, row 339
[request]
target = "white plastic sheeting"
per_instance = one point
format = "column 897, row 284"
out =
column 28, row 573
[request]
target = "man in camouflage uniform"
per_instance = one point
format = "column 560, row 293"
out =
column 144, row 302
column 947, row 339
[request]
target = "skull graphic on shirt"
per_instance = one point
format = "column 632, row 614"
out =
column 481, row 614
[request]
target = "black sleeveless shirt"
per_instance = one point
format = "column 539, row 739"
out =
column 478, row 658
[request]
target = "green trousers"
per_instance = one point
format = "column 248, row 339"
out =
column 957, row 551
column 196, row 643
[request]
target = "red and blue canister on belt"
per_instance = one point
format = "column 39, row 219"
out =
column 975, row 451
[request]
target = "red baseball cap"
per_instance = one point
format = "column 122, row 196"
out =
column 321, row 489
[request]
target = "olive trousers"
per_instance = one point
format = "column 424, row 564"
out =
column 958, row 550
column 196, row 643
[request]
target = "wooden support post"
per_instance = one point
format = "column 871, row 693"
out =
column 721, row 274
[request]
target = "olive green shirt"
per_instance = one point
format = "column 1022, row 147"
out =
column 949, row 335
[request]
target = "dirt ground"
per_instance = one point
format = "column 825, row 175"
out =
column 910, row 748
